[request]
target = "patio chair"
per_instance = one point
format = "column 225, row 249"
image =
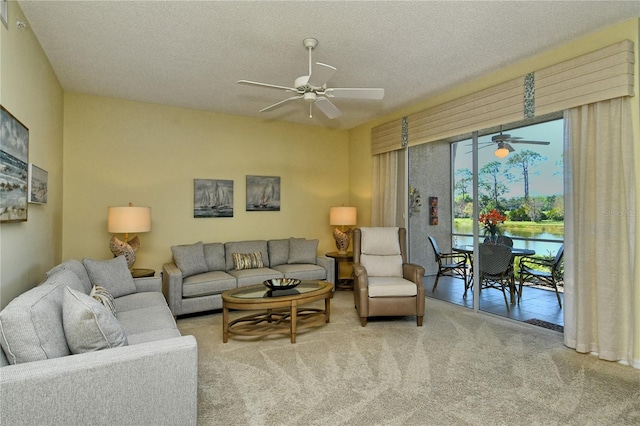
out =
column 543, row 271
column 496, row 269
column 507, row 241
column 451, row 264
column 385, row 284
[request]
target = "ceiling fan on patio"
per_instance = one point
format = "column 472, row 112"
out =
column 313, row 88
column 504, row 141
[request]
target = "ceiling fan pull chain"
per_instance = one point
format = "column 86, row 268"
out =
column 310, row 110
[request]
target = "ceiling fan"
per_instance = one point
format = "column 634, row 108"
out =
column 504, row 141
column 313, row 88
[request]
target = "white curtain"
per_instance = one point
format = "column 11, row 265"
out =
column 385, row 189
column 600, row 229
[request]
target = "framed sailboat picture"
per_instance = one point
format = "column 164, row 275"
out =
column 263, row 193
column 14, row 170
column 212, row 198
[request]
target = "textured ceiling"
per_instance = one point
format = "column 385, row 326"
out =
column 191, row 53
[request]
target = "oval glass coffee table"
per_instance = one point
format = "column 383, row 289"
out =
column 279, row 309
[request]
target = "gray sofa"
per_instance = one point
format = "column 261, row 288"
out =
column 66, row 359
column 200, row 273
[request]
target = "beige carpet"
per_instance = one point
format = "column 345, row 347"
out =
column 459, row 368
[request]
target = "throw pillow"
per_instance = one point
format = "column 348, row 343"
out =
column 78, row 268
column 190, row 259
column 214, row 256
column 88, row 325
column 112, row 274
column 380, row 241
column 278, row 252
column 103, row 296
column 302, row 250
column 31, row 324
column 247, row 260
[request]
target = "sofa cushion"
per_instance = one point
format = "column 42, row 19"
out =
column 255, row 276
column 76, row 267
column 278, row 252
column 382, row 266
column 380, row 241
column 302, row 271
column 146, row 319
column 245, row 247
column 88, row 325
column 190, row 259
column 302, row 250
column 214, row 256
column 31, row 325
column 247, row 260
column 103, row 296
column 391, row 287
column 134, row 301
column 112, row 274
column 213, row 282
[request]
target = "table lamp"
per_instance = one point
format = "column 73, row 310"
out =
column 125, row 220
column 342, row 216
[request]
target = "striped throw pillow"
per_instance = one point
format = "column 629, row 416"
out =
column 103, row 296
column 247, row 260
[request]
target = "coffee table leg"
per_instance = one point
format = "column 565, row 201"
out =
column 327, row 309
column 294, row 318
column 225, row 324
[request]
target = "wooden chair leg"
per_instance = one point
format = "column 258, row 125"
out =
column 435, row 284
column 363, row 321
column 419, row 321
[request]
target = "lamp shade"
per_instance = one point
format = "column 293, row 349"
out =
column 122, row 220
column 342, row 215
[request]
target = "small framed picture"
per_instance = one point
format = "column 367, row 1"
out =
column 263, row 193
column 212, row 198
column 38, row 185
column 4, row 13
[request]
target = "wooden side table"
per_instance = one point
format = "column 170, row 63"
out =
column 346, row 284
column 142, row 273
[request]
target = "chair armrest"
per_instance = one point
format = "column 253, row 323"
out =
column 148, row 284
column 329, row 265
column 172, row 286
column 150, row 383
column 454, row 257
column 413, row 272
column 360, row 289
column 524, row 260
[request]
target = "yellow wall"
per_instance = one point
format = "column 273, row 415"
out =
column 30, row 90
column 119, row 151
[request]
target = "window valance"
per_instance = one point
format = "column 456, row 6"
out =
column 604, row 74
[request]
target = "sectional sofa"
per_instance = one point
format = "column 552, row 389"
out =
column 67, row 359
column 199, row 273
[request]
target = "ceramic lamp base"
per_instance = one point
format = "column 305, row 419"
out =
column 342, row 239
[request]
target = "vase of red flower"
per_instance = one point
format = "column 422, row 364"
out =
column 490, row 222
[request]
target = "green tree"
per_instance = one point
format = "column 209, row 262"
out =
column 525, row 161
column 491, row 180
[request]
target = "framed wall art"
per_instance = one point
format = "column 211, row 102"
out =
column 212, row 198
column 38, row 184
column 263, row 193
column 14, row 173
column 4, row 13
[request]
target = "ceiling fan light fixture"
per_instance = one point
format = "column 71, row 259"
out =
column 501, row 152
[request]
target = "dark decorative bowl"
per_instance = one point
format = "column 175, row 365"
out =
column 281, row 283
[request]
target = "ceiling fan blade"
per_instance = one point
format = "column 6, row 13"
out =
column 355, row 93
column 509, row 147
column 279, row 104
column 329, row 109
column 320, row 75
column 532, row 142
column 271, row 86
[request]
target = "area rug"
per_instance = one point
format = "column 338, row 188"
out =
column 545, row 324
column 460, row 368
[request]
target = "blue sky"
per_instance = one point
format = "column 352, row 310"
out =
column 544, row 179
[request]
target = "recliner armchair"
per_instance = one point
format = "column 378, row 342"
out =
column 385, row 284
